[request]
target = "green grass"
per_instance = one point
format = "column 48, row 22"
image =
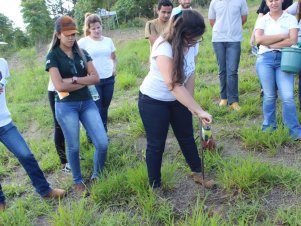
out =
column 289, row 216
column 270, row 141
column 248, row 163
column 252, row 176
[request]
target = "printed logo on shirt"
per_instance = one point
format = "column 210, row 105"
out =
column 82, row 64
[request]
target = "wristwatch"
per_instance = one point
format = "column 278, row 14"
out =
column 74, row 80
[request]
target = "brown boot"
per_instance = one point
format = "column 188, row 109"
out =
column 81, row 190
column 198, row 178
column 2, row 206
column 55, row 193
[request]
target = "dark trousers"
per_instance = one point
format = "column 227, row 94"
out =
column 105, row 90
column 156, row 116
column 59, row 139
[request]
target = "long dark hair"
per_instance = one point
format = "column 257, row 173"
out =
column 185, row 25
column 299, row 11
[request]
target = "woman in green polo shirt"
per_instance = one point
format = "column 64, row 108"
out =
column 71, row 71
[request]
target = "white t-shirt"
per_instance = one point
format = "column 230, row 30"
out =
column 4, row 112
column 176, row 10
column 153, row 85
column 228, row 22
column 274, row 27
column 50, row 86
column 293, row 9
column 100, row 51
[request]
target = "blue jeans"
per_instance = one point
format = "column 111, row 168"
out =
column 14, row 142
column 156, row 116
column 271, row 76
column 105, row 90
column 69, row 115
column 228, row 57
column 299, row 89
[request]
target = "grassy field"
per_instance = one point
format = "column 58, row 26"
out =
column 258, row 174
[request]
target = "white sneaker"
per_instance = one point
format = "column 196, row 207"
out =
column 66, row 168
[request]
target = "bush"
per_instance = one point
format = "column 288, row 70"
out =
column 136, row 22
column 129, row 9
column 202, row 2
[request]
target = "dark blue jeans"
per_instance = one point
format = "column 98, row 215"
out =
column 156, row 116
column 228, row 57
column 59, row 139
column 105, row 90
column 14, row 142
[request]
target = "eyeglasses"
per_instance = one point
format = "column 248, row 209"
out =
column 191, row 43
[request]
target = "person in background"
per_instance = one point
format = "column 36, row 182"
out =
column 183, row 4
column 226, row 19
column 15, row 143
column 262, row 10
column 59, row 139
column 102, row 51
column 166, row 95
column 71, row 70
column 154, row 28
column 273, row 31
column 295, row 9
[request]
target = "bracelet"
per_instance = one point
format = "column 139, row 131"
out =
column 74, row 80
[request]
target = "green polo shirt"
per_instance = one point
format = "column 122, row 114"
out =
column 68, row 68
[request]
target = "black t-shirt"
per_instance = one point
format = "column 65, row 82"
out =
column 68, row 68
column 263, row 8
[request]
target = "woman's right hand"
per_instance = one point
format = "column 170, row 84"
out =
column 204, row 116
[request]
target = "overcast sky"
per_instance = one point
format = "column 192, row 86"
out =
column 11, row 9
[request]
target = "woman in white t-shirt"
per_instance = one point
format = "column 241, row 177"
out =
column 102, row 51
column 295, row 9
column 275, row 30
column 166, row 95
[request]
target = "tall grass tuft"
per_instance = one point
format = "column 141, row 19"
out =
column 252, row 176
column 257, row 140
column 75, row 213
column 199, row 216
column 288, row 216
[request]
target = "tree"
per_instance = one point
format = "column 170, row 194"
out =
column 60, row 7
column 82, row 7
column 40, row 25
column 7, row 29
column 15, row 37
column 21, row 40
column 129, row 9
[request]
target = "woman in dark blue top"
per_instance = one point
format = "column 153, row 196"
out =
column 71, row 71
